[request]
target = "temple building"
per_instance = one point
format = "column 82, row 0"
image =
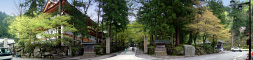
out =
column 89, row 41
column 52, row 6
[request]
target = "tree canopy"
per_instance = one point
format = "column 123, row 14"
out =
column 29, row 27
column 4, row 18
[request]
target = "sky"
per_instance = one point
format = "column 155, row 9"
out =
column 8, row 6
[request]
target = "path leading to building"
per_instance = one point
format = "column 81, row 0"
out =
column 129, row 55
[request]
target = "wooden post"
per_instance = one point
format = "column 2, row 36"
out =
column 145, row 44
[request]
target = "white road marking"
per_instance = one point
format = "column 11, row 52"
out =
column 238, row 56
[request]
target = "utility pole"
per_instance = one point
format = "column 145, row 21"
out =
column 249, row 30
column 240, row 7
column 232, row 32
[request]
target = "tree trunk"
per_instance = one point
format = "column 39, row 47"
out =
column 110, row 31
column 155, row 33
column 182, row 38
column 177, row 36
column 59, row 31
column 102, row 36
column 195, row 37
column 204, row 38
column 190, row 38
column 172, row 38
column 213, row 44
column 232, row 33
column 98, row 23
column 151, row 38
column 87, row 7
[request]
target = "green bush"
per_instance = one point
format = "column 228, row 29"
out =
column 21, row 43
column 200, row 51
column 151, row 49
column 100, row 49
column 178, row 50
column 76, row 50
column 28, row 48
column 56, row 43
column 141, row 47
column 208, row 48
column 117, row 47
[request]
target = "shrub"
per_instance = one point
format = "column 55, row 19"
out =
column 141, row 47
column 21, row 43
column 178, row 50
column 100, row 49
column 76, row 50
column 208, row 48
column 200, row 51
column 151, row 49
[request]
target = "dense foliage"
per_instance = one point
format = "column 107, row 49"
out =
column 4, row 25
column 180, row 22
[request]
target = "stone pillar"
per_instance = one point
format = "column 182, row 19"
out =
column 5, row 43
column 62, row 27
column 145, row 45
column 108, row 45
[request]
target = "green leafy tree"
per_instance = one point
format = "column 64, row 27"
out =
column 29, row 27
column 115, row 14
column 218, row 10
column 4, row 25
column 208, row 25
column 34, row 6
column 159, row 17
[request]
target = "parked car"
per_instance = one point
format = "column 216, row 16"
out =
column 5, row 54
column 236, row 49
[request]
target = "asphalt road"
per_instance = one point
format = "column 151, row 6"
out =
column 227, row 55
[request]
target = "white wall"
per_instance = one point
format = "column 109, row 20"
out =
column 49, row 31
column 9, row 41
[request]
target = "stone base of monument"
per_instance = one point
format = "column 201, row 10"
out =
column 89, row 51
column 89, row 54
column 160, row 51
column 189, row 50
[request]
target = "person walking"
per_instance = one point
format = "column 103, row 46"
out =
column 125, row 50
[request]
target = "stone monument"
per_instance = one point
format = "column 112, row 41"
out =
column 189, row 50
column 107, row 45
column 6, row 43
column 160, row 49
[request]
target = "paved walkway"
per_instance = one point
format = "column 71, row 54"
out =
column 129, row 55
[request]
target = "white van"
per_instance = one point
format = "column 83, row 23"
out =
column 5, row 54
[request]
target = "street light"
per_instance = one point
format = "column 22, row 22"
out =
column 232, row 2
column 105, row 31
column 240, row 7
column 232, row 6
